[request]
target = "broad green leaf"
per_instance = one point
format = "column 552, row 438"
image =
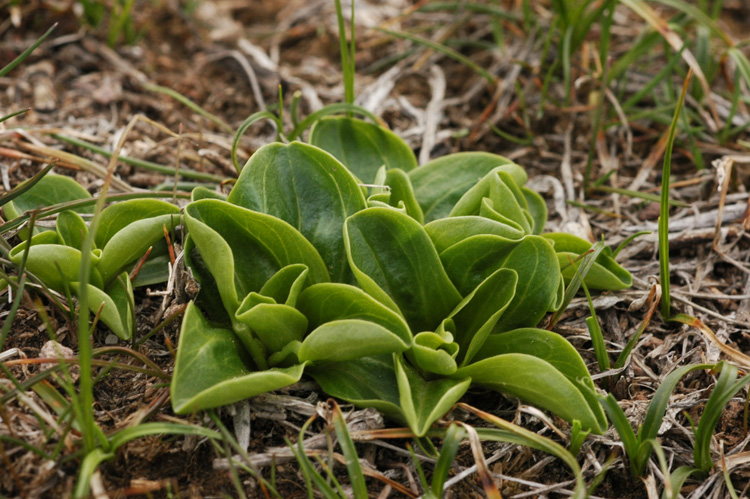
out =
column 71, row 228
column 286, row 284
column 274, row 324
column 439, row 184
column 399, row 193
column 535, row 381
column 201, row 192
column 212, row 369
column 552, row 348
column 322, row 303
column 362, row 147
column 605, row 274
column 117, row 216
column 307, row 188
column 349, row 339
column 364, row 382
column 155, row 270
column 131, row 243
column 435, row 352
column 424, row 402
column 386, row 385
column 394, row 260
column 477, row 314
column 51, row 189
column 446, row 232
column 55, row 264
column 116, row 305
column 243, row 249
column 537, row 209
column 472, row 260
column 497, row 197
column 538, row 286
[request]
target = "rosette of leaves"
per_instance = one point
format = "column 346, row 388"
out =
column 301, row 271
column 125, row 232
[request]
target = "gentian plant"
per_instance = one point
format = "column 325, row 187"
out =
column 394, row 286
column 124, row 235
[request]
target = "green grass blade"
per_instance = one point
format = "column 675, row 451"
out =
column 646, row 196
column 190, row 104
column 140, row 163
column 726, row 387
column 516, row 434
column 575, row 283
column 253, row 118
column 13, row 115
column 641, row 328
column 88, row 467
column 18, row 60
column 627, row 436
column 20, row 189
column 340, row 107
column 452, row 440
column 447, row 51
column 664, row 208
column 356, row 477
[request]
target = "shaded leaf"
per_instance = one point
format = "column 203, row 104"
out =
column 439, row 184
column 322, row 303
column 394, row 260
column 361, row 146
column 117, row 216
column 307, row 188
column 212, row 370
column 605, row 274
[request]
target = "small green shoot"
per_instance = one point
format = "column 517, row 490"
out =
column 638, row 447
column 666, row 300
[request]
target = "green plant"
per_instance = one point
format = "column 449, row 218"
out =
column 303, row 270
column 124, row 235
column 638, row 446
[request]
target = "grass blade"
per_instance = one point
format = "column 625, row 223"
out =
column 515, row 434
column 453, row 438
column 356, row 477
column 447, row 51
column 664, row 208
column 18, row 60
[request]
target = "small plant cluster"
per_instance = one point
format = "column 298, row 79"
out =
column 398, row 296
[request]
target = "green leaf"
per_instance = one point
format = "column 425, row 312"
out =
column 394, row 260
column 447, row 232
column 322, row 303
column 212, row 370
column 274, row 324
column 131, row 243
column 424, row 402
column 537, row 382
column 117, row 310
column 243, row 249
column 71, row 228
column 539, row 283
column 471, row 261
column 605, row 274
column 349, row 339
column 364, row 382
column 439, row 184
column 56, row 265
column 435, row 352
column 497, row 197
column 537, row 209
column 361, row 146
column 117, row 216
column 400, row 192
column 286, row 284
column 552, row 348
column 477, row 314
column 49, row 190
column 307, row 188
